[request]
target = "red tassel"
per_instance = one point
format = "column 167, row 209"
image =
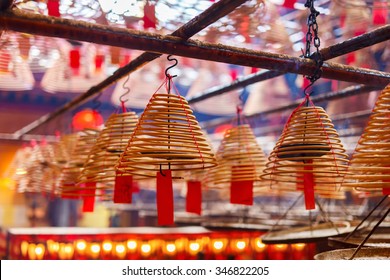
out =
column 165, row 215
column 289, row 3
column 53, row 8
column 379, row 13
column 149, row 16
column 194, row 197
column 89, row 197
column 308, row 186
column 123, row 189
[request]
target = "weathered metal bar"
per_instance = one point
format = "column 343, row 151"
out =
column 82, row 31
column 209, row 16
column 371, row 38
column 349, row 91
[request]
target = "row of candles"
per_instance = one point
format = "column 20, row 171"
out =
column 181, row 248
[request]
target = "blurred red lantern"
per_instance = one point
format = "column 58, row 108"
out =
column 86, row 118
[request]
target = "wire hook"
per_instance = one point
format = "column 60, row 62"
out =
column 169, row 77
column 161, row 172
column 125, row 87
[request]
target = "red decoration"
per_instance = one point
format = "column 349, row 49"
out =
column 241, row 192
column 308, row 186
column 165, row 215
column 66, row 195
column 194, row 197
column 125, row 60
column 149, row 16
column 86, row 119
column 379, row 13
column 89, row 197
column 350, row 58
column 53, row 8
column 74, row 61
column 233, row 74
column 289, row 3
column 99, row 60
column 123, row 189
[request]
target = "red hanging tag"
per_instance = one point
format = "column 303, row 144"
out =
column 123, row 189
column 308, row 185
column 194, row 197
column 289, row 3
column 386, row 191
column 89, row 196
column 69, row 192
column 53, row 8
column 165, row 215
column 149, row 16
column 74, row 61
column 99, row 60
column 379, row 13
column 241, row 192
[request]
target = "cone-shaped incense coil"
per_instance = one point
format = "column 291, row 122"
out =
column 308, row 149
column 167, row 137
column 72, row 170
column 63, row 149
column 239, row 157
column 111, row 142
column 370, row 164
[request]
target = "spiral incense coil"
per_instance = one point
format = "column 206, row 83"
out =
column 167, row 137
column 112, row 141
column 63, row 149
column 309, row 144
column 72, row 170
column 239, row 157
column 369, row 168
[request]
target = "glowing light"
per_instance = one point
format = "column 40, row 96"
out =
column 39, row 251
column 241, row 245
column 299, row 246
column 81, row 245
column 218, row 245
column 260, row 244
column 281, row 247
column 146, row 248
column 194, row 246
column 132, row 244
column 171, row 247
column 20, row 171
column 95, row 248
column 68, row 248
column 120, row 249
column 107, row 246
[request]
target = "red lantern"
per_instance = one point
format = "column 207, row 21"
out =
column 87, row 119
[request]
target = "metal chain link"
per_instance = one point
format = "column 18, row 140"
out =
column 312, row 35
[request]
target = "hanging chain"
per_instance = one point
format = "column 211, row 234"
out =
column 312, row 35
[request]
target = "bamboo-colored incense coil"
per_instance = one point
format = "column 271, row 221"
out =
column 63, row 149
column 369, row 168
column 111, row 142
column 309, row 144
column 70, row 173
column 168, row 136
column 240, row 158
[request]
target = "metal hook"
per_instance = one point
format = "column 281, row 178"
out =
column 161, row 170
column 125, row 87
column 170, row 58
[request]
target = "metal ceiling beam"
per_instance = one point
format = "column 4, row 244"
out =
column 209, row 16
column 120, row 37
column 368, row 39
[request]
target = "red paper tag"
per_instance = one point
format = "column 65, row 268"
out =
column 386, row 191
column 165, row 215
column 289, row 3
column 149, row 16
column 379, row 13
column 194, row 197
column 74, row 61
column 123, row 189
column 308, row 186
column 89, row 197
column 241, row 191
column 69, row 192
column 53, row 8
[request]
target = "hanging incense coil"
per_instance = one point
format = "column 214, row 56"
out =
column 309, row 144
column 369, row 168
column 111, row 142
column 240, row 158
column 70, row 173
column 167, row 137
